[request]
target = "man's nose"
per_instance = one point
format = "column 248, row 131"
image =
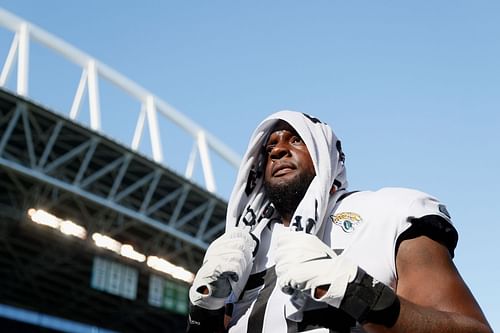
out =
column 279, row 151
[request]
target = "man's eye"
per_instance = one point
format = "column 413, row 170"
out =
column 269, row 148
column 296, row 139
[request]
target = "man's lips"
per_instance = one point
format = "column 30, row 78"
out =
column 282, row 169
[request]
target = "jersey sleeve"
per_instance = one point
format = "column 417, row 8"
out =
column 429, row 217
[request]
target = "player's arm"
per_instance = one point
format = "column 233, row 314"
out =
column 226, row 267
column 433, row 297
column 430, row 297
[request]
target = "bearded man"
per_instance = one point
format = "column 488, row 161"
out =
column 301, row 253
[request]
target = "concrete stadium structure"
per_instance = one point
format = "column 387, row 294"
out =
column 95, row 235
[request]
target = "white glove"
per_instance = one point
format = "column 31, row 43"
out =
column 303, row 263
column 226, row 266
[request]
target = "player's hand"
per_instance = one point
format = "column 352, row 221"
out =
column 226, row 266
column 304, row 263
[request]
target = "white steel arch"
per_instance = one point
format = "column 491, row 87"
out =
column 152, row 107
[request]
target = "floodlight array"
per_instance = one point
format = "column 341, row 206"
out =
column 70, row 228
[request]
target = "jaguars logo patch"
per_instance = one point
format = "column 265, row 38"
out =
column 348, row 221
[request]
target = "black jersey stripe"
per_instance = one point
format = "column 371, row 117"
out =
column 255, row 280
column 256, row 318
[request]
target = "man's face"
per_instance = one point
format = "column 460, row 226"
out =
column 289, row 168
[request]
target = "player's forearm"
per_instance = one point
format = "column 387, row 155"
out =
column 417, row 319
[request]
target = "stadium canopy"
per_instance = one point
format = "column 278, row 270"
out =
column 97, row 232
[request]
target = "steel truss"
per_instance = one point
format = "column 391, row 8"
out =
column 41, row 269
column 152, row 108
column 72, row 171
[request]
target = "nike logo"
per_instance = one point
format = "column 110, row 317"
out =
column 326, row 256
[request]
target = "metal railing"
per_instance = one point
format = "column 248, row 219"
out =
column 92, row 71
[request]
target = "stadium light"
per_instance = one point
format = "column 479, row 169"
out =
column 107, row 242
column 73, row 229
column 164, row 266
column 42, row 217
column 66, row 227
column 126, row 250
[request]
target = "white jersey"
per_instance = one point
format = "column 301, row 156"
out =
column 364, row 226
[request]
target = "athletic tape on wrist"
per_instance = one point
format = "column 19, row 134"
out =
column 368, row 300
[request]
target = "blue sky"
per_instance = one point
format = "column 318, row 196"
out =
column 411, row 87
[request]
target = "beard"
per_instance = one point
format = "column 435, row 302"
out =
column 286, row 196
